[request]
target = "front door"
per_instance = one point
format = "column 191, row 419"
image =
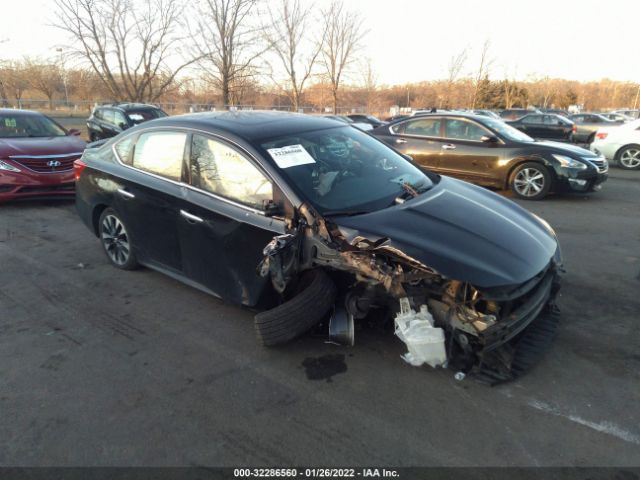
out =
column 465, row 155
column 222, row 226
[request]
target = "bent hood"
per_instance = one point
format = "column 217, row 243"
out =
column 41, row 146
column 464, row 232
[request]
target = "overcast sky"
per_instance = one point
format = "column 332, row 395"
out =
column 413, row 40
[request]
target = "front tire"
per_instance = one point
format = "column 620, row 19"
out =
column 116, row 240
column 629, row 157
column 530, row 181
column 299, row 314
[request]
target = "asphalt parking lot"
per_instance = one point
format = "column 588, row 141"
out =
column 104, row 367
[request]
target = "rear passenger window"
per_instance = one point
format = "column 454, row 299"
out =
column 532, row 119
column 427, row 127
column 161, row 153
column 221, row 170
column 124, row 148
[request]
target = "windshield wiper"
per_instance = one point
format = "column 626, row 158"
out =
column 409, row 191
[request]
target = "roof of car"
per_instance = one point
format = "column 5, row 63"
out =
column 14, row 111
column 128, row 106
column 250, row 125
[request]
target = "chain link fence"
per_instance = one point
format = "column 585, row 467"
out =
column 82, row 108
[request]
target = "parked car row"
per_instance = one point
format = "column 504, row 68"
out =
column 333, row 218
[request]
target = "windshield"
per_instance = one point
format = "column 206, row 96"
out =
column 507, row 131
column 17, row 125
column 345, row 171
column 139, row 116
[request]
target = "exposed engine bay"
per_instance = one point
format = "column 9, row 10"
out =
column 494, row 334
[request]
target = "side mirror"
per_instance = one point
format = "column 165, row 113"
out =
column 270, row 208
column 489, row 139
column 123, row 125
column 74, row 132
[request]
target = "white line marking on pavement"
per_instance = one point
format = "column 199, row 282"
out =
column 603, row 427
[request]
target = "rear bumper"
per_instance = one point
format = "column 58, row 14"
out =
column 27, row 184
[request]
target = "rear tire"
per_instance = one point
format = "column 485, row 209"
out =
column 530, row 181
column 629, row 157
column 298, row 315
column 116, row 241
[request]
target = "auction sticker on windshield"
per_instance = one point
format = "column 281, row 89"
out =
column 290, row 156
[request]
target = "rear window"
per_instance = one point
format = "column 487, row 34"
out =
column 161, row 153
column 144, row 115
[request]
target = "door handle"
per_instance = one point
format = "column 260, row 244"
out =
column 448, row 146
column 190, row 217
column 400, row 141
column 125, row 194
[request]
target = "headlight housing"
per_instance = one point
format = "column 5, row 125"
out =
column 568, row 162
column 8, row 167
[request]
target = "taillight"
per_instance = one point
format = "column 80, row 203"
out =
column 574, row 129
column 601, row 135
column 78, row 167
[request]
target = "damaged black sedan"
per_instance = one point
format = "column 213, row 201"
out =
column 306, row 219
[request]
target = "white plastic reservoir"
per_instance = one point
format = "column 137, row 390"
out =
column 424, row 341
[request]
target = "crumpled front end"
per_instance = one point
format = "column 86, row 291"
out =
column 495, row 334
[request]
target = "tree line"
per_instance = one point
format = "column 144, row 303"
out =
column 277, row 54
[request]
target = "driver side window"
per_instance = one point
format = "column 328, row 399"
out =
column 221, row 170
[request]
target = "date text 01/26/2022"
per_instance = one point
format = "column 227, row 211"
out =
column 315, row 473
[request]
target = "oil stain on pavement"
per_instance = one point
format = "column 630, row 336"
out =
column 324, row 367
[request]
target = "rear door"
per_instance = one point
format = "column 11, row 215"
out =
column 532, row 125
column 553, row 127
column 151, row 196
column 222, row 227
column 420, row 138
column 465, row 155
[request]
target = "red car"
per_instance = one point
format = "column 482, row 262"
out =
column 36, row 156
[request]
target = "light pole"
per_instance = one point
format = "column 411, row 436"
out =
column 63, row 74
column 408, row 103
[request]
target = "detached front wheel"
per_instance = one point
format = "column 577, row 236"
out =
column 281, row 324
column 116, row 240
column 530, row 181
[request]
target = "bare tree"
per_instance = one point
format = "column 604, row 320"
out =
column 296, row 52
column 226, row 43
column 370, row 83
column 14, row 80
column 43, row 77
column 130, row 45
column 456, row 64
column 482, row 73
column 343, row 34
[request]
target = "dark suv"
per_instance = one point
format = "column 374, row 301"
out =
column 109, row 120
